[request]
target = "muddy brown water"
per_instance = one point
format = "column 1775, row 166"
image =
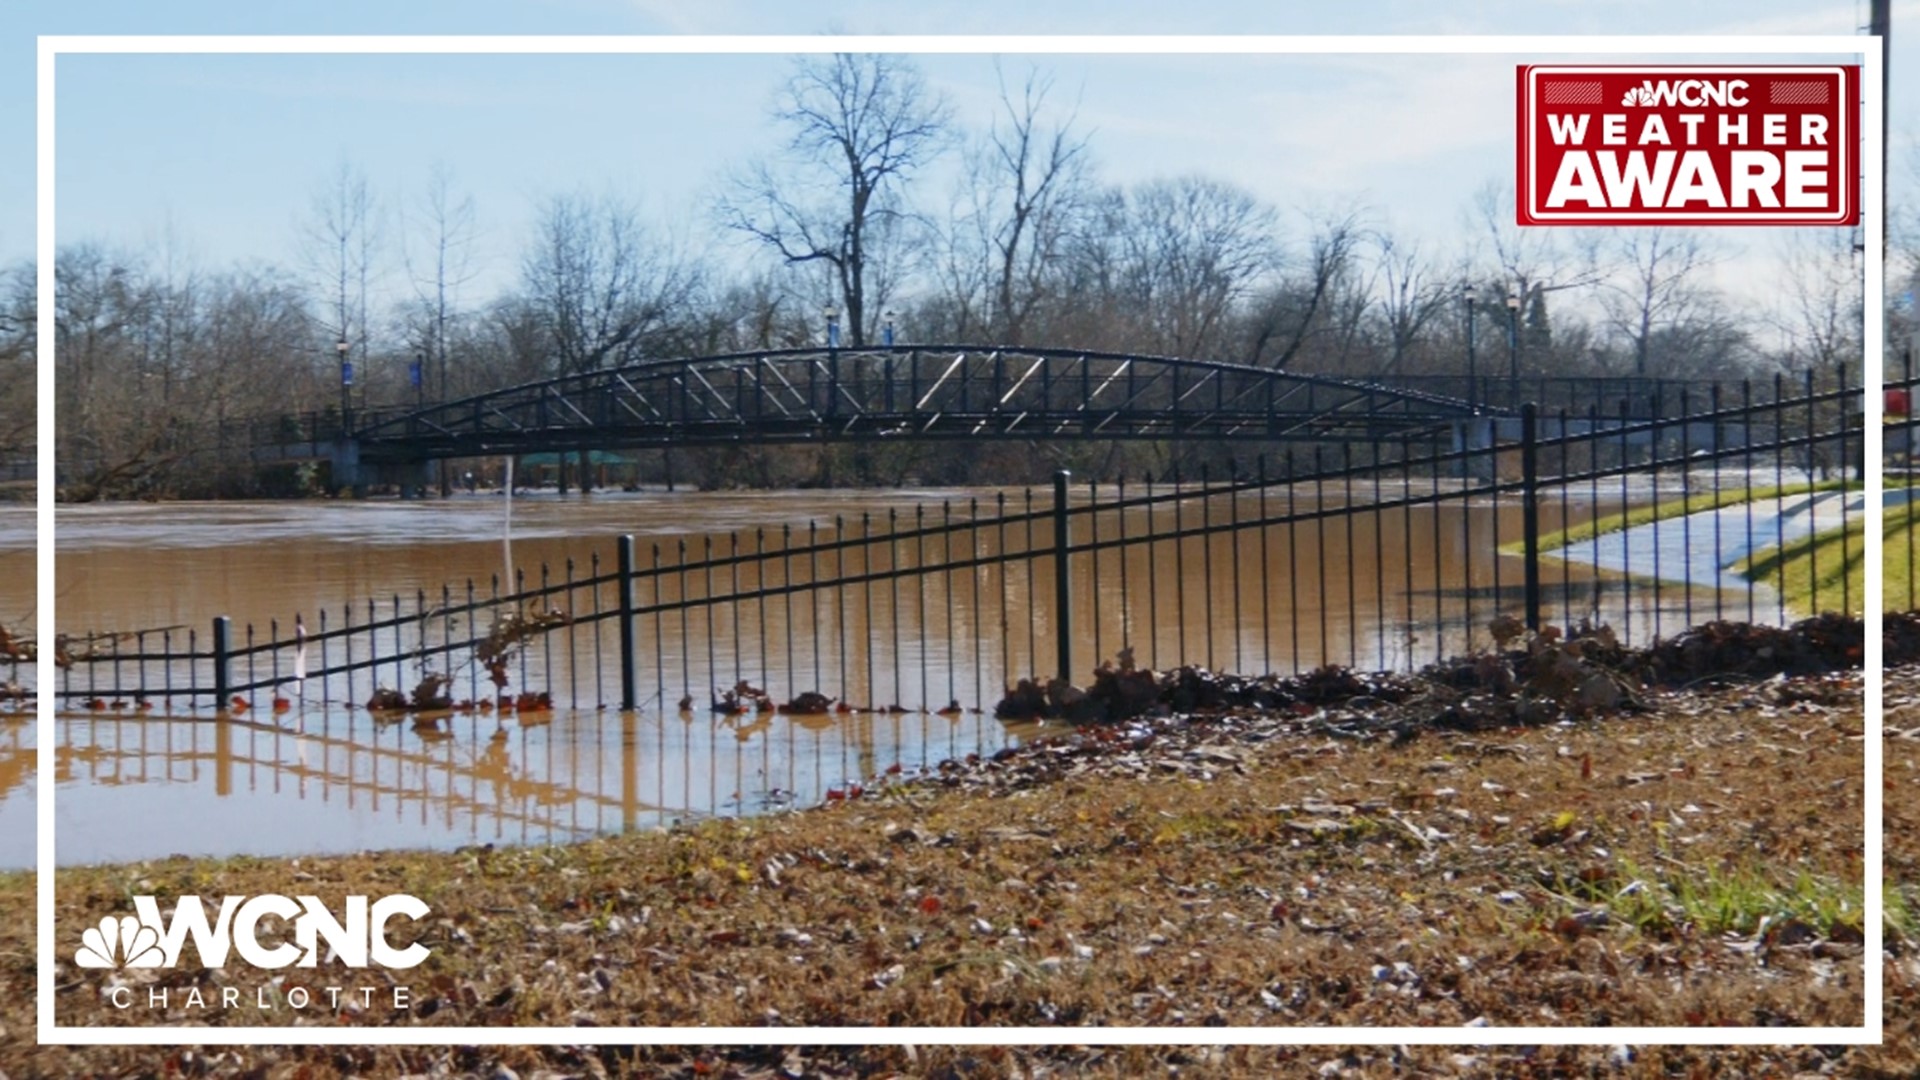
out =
column 1393, row 588
column 17, row 596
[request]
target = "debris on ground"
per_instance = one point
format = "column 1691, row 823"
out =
column 743, row 698
column 1531, row 678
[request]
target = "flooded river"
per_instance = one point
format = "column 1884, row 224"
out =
column 1391, row 588
column 17, row 597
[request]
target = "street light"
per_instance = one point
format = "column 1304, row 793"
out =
column 888, row 332
column 418, row 373
column 1472, row 294
column 1513, row 336
column 833, row 327
column 346, row 386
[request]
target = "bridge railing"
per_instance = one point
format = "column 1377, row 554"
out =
column 950, row 392
column 316, row 430
column 1380, row 555
column 1645, row 396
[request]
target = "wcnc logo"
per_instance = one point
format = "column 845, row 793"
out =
column 149, row 940
column 1693, row 93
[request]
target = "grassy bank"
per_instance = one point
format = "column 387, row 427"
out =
column 1817, row 571
column 1691, row 503
column 1695, row 865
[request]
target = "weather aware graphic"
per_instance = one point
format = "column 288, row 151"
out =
column 1662, row 145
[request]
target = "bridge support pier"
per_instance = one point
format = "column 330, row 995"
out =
column 1475, row 433
column 412, row 477
column 343, row 456
column 352, row 476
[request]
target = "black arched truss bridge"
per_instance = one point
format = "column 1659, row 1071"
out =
column 918, row 392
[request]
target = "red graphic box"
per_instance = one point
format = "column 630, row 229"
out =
column 1671, row 145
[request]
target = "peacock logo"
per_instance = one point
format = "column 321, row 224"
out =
column 122, row 942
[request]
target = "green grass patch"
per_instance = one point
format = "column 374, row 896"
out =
column 1736, row 901
column 1818, row 572
column 1691, row 503
column 1901, row 540
column 1899, row 911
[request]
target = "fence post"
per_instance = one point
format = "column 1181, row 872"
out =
column 222, row 646
column 1062, row 586
column 1530, row 507
column 629, row 695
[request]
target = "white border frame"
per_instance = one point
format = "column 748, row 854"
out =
column 1541, row 47
column 1781, row 218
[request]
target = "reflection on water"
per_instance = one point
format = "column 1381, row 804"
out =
column 19, row 571
column 18, row 574
column 1379, row 589
column 16, row 791
column 1391, row 588
column 133, row 788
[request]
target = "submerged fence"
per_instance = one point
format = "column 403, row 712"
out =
column 16, row 681
column 1366, row 554
column 1901, row 467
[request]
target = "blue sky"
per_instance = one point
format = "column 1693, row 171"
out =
column 225, row 152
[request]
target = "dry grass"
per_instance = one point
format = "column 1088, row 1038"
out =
column 1696, row 866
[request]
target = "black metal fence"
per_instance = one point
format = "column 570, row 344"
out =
column 16, row 682
column 1901, row 467
column 1376, row 554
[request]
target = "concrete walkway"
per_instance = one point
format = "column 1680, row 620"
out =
column 1702, row 548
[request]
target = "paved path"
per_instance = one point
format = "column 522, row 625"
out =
column 1702, row 548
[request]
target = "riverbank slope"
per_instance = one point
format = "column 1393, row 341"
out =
column 1693, row 860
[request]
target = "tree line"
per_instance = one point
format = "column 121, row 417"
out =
column 882, row 205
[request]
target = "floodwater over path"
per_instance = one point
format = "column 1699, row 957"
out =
column 17, row 597
column 1392, row 588
column 1710, row 546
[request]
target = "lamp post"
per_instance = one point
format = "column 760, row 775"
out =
column 833, row 327
column 346, row 386
column 887, row 330
column 418, row 373
column 1472, row 294
column 1513, row 340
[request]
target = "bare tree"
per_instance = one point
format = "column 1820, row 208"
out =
column 603, row 287
column 1410, row 298
column 1029, row 187
column 340, row 243
column 18, row 352
column 1533, row 262
column 1295, row 310
column 1655, row 290
column 109, row 437
column 440, row 262
column 229, row 345
column 1195, row 247
column 168, row 333
column 249, row 325
column 1824, row 314
column 859, row 127
column 603, row 284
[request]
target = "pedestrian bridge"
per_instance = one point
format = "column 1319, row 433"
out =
column 917, row 392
